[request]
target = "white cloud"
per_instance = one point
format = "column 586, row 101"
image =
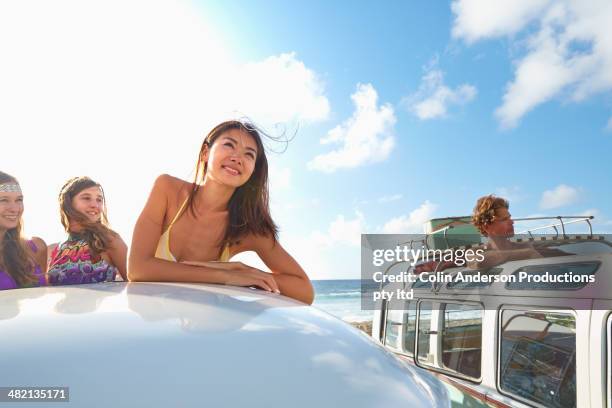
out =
column 560, row 196
column 388, row 199
column 281, row 88
column 125, row 91
column 280, row 178
column 366, row 137
column 477, row 19
column 569, row 53
column 329, row 254
column 512, row 194
column 433, row 98
column 539, row 77
column 342, row 231
column 411, row 223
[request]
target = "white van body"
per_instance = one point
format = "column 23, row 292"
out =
column 584, row 320
column 193, row 345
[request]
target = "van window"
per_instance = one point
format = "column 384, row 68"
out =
column 538, row 357
column 583, row 248
column 409, row 328
column 423, row 354
column 392, row 326
column 580, row 271
column 462, row 339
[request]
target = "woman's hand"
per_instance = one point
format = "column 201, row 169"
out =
column 239, row 274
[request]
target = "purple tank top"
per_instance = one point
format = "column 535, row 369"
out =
column 7, row 281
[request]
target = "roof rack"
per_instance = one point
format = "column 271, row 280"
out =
column 562, row 223
column 423, row 241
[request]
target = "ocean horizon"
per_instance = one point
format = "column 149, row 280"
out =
column 341, row 298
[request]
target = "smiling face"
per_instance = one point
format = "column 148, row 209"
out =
column 90, row 203
column 11, row 209
column 231, row 158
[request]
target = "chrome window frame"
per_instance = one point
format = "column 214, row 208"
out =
column 521, row 308
column 437, row 310
column 418, row 330
column 383, row 322
column 442, row 310
column 402, row 324
column 403, row 350
column 388, row 345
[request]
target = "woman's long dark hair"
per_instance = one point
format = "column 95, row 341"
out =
column 14, row 256
column 249, row 208
column 98, row 235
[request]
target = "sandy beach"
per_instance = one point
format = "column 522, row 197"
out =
column 364, row 326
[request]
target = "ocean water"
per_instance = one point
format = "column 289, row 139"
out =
column 341, row 298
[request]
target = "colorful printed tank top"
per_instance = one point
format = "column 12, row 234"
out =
column 7, row 281
column 72, row 263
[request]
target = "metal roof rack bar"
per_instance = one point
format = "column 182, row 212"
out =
column 562, row 223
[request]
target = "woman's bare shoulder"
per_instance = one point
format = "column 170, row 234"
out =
column 171, row 185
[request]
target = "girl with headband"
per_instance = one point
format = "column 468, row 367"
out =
column 22, row 262
column 92, row 252
column 187, row 232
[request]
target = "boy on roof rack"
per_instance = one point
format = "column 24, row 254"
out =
column 492, row 217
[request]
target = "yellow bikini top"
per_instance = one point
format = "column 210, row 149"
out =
column 163, row 246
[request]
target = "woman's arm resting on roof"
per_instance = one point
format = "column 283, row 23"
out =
column 239, row 274
column 291, row 278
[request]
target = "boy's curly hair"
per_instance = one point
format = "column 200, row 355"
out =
column 484, row 211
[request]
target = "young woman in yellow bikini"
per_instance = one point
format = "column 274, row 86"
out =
column 187, row 232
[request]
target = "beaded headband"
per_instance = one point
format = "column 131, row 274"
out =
column 10, row 188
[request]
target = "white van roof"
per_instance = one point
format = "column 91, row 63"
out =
column 170, row 344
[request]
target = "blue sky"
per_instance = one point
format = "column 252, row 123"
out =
column 449, row 160
column 427, row 106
